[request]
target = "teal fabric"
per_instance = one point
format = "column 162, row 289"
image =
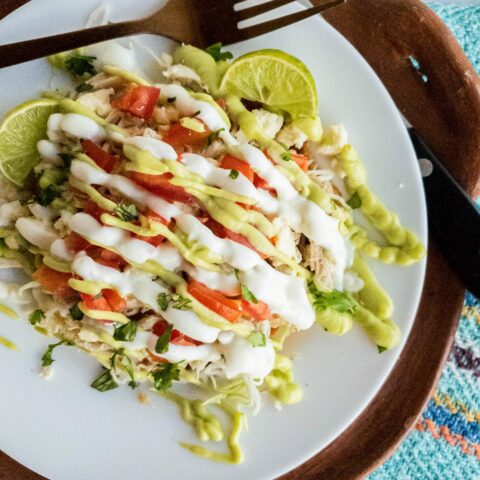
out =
column 445, row 444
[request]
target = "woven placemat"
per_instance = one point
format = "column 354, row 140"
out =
column 446, row 441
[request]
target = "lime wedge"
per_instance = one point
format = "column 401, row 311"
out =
column 20, row 131
column 275, row 79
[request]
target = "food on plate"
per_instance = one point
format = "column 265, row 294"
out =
column 180, row 231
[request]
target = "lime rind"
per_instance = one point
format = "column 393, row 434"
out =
column 274, row 78
column 20, row 131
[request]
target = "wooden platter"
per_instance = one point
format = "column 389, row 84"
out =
column 445, row 110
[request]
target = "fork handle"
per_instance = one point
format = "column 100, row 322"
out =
column 20, row 52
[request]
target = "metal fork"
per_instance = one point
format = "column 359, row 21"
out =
column 197, row 22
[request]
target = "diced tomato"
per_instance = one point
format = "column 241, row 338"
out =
column 259, row 182
column 115, row 300
column 109, row 301
column 92, row 209
column 259, row 311
column 301, row 161
column 98, row 302
column 157, row 217
column 217, row 302
column 155, row 241
column 75, row 243
column 54, row 282
column 107, row 258
column 220, row 231
column 177, row 338
column 139, row 101
column 160, row 185
column 179, row 136
column 233, row 163
column 99, row 156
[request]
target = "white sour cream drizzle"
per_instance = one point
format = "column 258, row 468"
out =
column 49, row 151
column 132, row 249
column 155, row 147
column 75, row 125
column 143, row 287
column 95, row 176
column 59, row 249
column 36, row 232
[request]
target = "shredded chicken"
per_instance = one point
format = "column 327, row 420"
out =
column 98, row 101
column 292, row 136
column 269, row 123
column 317, row 260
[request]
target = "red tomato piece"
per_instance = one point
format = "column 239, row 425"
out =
column 107, row 258
column 54, row 282
column 259, row 311
column 233, row 163
column 301, row 161
column 115, row 300
column 157, row 240
column 75, row 243
column 92, row 209
column 139, row 101
column 99, row 156
column 98, row 302
column 177, row 338
column 217, row 302
column 160, row 185
column 179, row 136
column 259, row 182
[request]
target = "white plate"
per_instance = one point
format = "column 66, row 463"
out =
column 63, row 429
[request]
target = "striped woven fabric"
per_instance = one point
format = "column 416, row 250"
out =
column 445, row 443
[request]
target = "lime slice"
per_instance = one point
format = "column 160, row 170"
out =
column 20, row 131
column 275, row 79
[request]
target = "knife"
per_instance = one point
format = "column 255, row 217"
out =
column 453, row 217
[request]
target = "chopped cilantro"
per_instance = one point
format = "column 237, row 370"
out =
column 66, row 158
column 215, row 51
column 36, row 317
column 257, row 339
column 355, row 201
column 47, row 358
column 335, row 300
column 126, row 211
column 76, row 313
column 46, row 196
column 286, row 155
column 104, row 382
column 176, row 301
column 381, row 349
column 164, row 374
column 247, row 294
column 212, row 137
column 84, row 87
column 233, row 174
column 79, row 65
column 163, row 340
column 126, row 332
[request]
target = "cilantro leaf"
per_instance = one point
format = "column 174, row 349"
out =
column 84, row 87
column 162, row 301
column 335, row 300
column 174, row 300
column 66, row 158
column 126, row 211
column 286, row 155
column 163, row 340
column 247, row 294
column 104, row 382
column 46, row 196
column 126, row 332
column 47, row 358
column 215, row 51
column 164, row 374
column 213, row 136
column 355, row 201
column 381, row 349
column 36, row 317
column 121, row 359
column 233, row 174
column 79, row 65
column 257, row 339
column 76, row 313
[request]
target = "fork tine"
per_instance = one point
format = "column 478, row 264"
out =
column 266, row 27
column 250, row 12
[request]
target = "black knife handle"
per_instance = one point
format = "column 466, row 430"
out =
column 453, row 217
